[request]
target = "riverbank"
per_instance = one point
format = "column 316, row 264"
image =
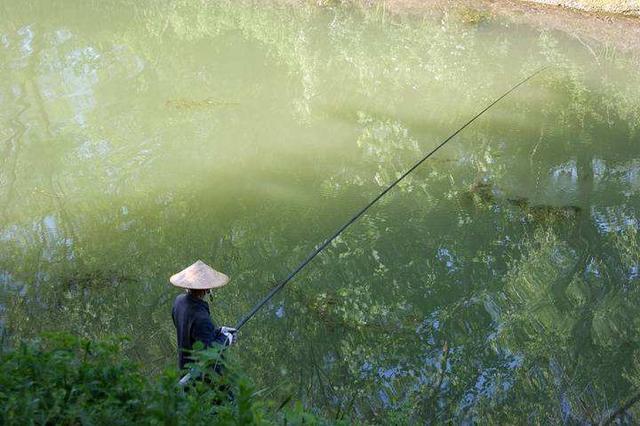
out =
column 63, row 379
column 599, row 25
column 602, row 26
column 625, row 7
column 610, row 8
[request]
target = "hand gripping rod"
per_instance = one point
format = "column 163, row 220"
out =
column 362, row 211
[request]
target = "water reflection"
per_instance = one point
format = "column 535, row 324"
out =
column 498, row 282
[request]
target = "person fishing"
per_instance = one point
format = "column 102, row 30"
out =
column 190, row 312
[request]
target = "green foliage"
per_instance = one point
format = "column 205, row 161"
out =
column 62, row 379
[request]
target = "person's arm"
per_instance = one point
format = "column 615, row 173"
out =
column 204, row 331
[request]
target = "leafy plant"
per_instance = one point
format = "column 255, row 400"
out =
column 63, row 379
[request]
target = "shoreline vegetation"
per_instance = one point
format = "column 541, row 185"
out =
column 59, row 378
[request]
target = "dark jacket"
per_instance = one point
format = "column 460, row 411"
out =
column 193, row 324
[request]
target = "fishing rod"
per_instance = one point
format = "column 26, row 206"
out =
column 275, row 290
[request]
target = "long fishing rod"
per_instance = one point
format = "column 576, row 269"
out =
column 275, row 290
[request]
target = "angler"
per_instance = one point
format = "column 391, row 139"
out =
column 212, row 278
column 190, row 313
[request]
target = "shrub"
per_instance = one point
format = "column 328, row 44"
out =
column 62, row 379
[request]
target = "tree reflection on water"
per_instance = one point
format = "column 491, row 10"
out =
column 498, row 282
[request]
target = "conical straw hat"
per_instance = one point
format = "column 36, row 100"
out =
column 199, row 276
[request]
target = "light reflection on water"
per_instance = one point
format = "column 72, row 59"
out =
column 135, row 142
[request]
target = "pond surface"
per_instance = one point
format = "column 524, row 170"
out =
column 500, row 282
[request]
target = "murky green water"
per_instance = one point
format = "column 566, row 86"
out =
column 498, row 283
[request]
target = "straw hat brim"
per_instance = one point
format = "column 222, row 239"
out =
column 199, row 276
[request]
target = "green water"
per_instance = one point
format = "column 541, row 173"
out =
column 498, row 283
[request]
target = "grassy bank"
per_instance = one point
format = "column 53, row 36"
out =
column 62, row 379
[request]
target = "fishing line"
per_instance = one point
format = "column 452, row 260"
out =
column 275, row 290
